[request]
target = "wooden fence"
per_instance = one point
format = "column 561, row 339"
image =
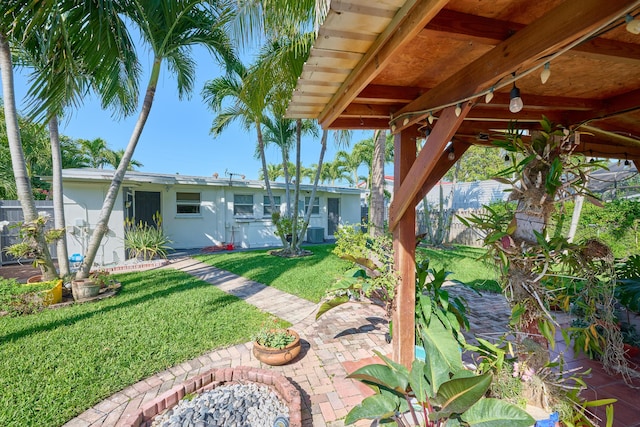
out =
column 10, row 215
column 458, row 233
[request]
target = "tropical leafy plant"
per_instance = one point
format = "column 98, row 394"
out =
column 373, row 277
column 436, row 392
column 628, row 289
column 433, row 300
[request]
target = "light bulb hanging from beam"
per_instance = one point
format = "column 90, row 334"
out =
column 489, row 96
column 633, row 24
column 452, row 155
column 546, row 72
column 515, row 104
column 458, row 110
column 430, row 118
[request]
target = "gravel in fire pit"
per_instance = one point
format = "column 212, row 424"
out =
column 234, row 405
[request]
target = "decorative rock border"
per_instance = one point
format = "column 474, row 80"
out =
column 214, row 378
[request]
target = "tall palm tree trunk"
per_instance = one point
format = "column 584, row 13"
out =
column 58, row 196
column 307, row 217
column 296, row 193
column 101, row 227
column 287, row 180
column 23, row 184
column 265, row 173
column 376, row 211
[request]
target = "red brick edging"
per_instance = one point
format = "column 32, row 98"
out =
column 210, row 380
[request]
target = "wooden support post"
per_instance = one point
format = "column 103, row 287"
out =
column 404, row 244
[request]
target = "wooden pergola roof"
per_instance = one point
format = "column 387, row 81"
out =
column 375, row 65
column 392, row 64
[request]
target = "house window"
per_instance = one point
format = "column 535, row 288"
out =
column 243, row 204
column 316, row 205
column 266, row 211
column 188, row 203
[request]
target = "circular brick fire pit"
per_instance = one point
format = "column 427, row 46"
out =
column 215, row 378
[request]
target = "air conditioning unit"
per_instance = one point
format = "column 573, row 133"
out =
column 315, row 234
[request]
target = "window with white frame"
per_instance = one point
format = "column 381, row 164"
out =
column 315, row 209
column 187, row 203
column 266, row 210
column 243, row 204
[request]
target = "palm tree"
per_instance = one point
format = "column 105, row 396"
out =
column 95, row 151
column 376, row 207
column 69, row 48
column 170, row 29
column 113, row 159
column 249, row 99
column 352, row 161
column 72, row 155
column 23, row 184
column 274, row 172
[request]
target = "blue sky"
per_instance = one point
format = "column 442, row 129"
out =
column 176, row 137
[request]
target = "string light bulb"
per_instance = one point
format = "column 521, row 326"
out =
column 506, row 158
column 458, row 110
column 430, row 118
column 452, row 155
column 546, row 72
column 515, row 103
column 489, row 96
column 627, row 163
column 633, row 24
column 405, row 121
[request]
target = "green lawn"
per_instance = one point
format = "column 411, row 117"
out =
column 464, row 263
column 57, row 363
column 307, row 277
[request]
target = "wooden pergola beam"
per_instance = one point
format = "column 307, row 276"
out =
column 442, row 167
column 478, row 29
column 443, row 131
column 561, row 26
column 404, row 244
column 405, row 25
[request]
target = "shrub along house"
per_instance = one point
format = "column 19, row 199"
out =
column 196, row 212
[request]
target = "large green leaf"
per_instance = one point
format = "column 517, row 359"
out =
column 418, row 382
column 496, row 413
column 333, row 303
column 443, row 354
column 458, row 395
column 381, row 375
column 373, row 407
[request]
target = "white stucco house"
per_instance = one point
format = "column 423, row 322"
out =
column 196, row 212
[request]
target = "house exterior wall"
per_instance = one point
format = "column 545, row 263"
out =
column 215, row 224
column 82, row 204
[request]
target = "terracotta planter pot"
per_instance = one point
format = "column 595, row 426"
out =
column 84, row 289
column 278, row 356
column 35, row 279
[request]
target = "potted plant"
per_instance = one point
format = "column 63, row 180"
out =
column 276, row 346
column 630, row 339
column 84, row 289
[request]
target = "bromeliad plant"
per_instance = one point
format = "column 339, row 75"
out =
column 435, row 392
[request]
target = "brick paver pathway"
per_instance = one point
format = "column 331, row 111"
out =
column 335, row 345
column 348, row 333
